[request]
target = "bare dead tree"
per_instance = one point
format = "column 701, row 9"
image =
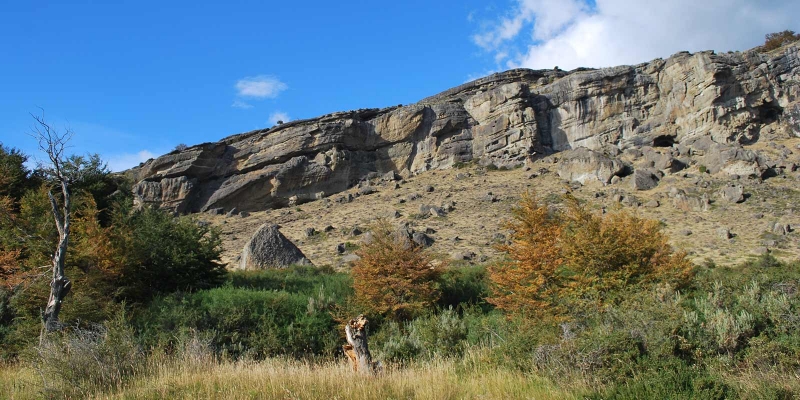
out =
column 54, row 144
column 357, row 348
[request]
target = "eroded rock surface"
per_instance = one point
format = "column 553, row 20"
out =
column 702, row 106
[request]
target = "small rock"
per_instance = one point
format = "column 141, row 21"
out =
column 686, row 232
column 781, row 228
column 422, row 239
column 244, row 214
column 429, row 189
column 232, row 212
column 413, row 196
column 644, row 179
column 216, row 211
column 615, row 179
column 724, row 233
column 652, row 204
column 437, row 212
column 391, row 176
column 345, row 199
column 328, row 228
column 732, row 193
column 355, row 231
column 366, row 190
column 464, row 255
column 761, row 250
column 341, row 248
column 430, row 231
column 311, row 232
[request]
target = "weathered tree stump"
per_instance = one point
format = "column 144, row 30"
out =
column 357, row 348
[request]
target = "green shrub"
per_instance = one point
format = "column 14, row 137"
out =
column 163, row 254
column 464, row 286
column 240, row 322
column 256, row 313
column 666, row 379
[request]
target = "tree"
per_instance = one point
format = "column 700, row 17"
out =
column 394, row 277
column 528, row 280
column 159, row 253
column 775, row 40
column 567, row 261
column 64, row 174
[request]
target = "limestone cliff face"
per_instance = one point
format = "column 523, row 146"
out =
column 505, row 119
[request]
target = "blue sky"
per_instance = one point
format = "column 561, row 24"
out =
column 135, row 78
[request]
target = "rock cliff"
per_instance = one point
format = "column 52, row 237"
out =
column 702, row 106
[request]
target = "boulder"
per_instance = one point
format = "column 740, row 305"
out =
column 268, row 248
column 732, row 193
column 644, row 179
column 584, row 165
column 421, row 239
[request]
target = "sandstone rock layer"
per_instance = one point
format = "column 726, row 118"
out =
column 704, row 105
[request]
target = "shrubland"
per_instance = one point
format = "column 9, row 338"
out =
column 584, row 305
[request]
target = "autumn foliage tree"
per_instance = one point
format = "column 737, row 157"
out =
column 394, row 277
column 572, row 260
column 775, row 40
column 529, row 280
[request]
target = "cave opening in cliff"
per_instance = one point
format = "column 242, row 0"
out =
column 664, row 141
column 768, row 112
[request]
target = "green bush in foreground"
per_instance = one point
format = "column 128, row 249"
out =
column 255, row 314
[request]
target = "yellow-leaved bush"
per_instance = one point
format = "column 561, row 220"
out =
column 570, row 260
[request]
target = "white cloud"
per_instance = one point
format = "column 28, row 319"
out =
column 241, row 104
column 260, row 87
column 121, row 162
column 278, row 116
column 571, row 33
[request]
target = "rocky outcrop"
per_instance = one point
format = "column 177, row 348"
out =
column 583, row 165
column 689, row 105
column 268, row 248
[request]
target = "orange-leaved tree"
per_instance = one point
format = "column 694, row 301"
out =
column 528, row 280
column 394, row 277
column 572, row 260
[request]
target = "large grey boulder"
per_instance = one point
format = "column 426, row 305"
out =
column 268, row 248
column 584, row 165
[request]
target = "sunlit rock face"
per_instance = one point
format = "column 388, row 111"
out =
column 708, row 104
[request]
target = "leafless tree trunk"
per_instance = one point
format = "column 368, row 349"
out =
column 357, row 348
column 53, row 144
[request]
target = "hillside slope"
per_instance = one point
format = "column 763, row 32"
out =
column 665, row 136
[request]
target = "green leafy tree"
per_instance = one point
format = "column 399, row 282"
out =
column 159, row 253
